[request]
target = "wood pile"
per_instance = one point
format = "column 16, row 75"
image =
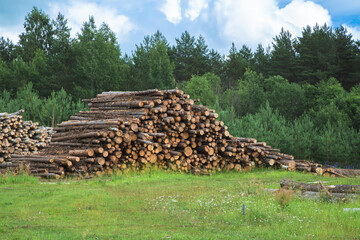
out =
column 318, row 169
column 20, row 137
column 313, row 190
column 294, row 185
column 144, row 128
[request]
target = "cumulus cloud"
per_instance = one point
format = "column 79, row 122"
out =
column 172, row 10
column 195, row 8
column 355, row 31
column 258, row 21
column 77, row 12
column 11, row 33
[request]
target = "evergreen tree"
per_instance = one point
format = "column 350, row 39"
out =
column 216, row 62
column 151, row 66
column 246, row 53
column 235, row 66
column 201, row 57
column 283, row 56
column 346, row 70
column 261, row 61
column 7, row 50
column 183, row 57
column 62, row 54
column 7, row 80
column 317, row 54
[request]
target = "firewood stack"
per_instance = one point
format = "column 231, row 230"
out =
column 20, row 137
column 140, row 129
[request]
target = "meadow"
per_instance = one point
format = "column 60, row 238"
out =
column 167, row 205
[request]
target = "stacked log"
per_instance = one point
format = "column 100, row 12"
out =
column 316, row 168
column 140, row 129
column 20, row 137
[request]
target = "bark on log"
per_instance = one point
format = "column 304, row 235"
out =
column 290, row 184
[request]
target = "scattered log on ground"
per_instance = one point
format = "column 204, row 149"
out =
column 290, row 184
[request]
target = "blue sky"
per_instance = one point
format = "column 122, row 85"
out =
column 221, row 22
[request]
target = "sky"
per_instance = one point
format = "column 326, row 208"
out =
column 221, row 22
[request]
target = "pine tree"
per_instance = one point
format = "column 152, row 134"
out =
column 235, row 66
column 183, row 57
column 7, row 50
column 283, row 56
column 216, row 62
column 316, row 54
column 151, row 66
column 62, row 54
column 346, row 70
column 261, row 61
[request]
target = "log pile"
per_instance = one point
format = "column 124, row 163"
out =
column 314, row 190
column 20, row 137
column 318, row 169
column 140, row 129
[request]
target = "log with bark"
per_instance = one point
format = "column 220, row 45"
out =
column 20, row 137
column 290, row 184
column 152, row 127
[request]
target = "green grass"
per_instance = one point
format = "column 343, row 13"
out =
column 164, row 205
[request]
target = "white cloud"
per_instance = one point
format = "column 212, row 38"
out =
column 77, row 12
column 355, row 31
column 11, row 33
column 172, row 11
column 299, row 14
column 195, row 8
column 258, row 21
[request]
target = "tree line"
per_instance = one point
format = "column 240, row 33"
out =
column 300, row 94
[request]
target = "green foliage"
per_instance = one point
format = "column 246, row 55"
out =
column 47, row 111
column 38, row 34
column 329, row 113
column 26, row 98
column 58, row 107
column 267, row 125
column 234, row 67
column 97, row 61
column 6, row 77
column 249, row 95
column 338, row 143
column 151, row 66
column 203, row 87
column 281, row 95
column 332, row 142
column 283, row 56
column 304, row 135
column 261, row 60
column 310, row 83
column 352, row 106
column 7, row 50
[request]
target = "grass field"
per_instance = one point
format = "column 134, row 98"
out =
column 165, row 205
